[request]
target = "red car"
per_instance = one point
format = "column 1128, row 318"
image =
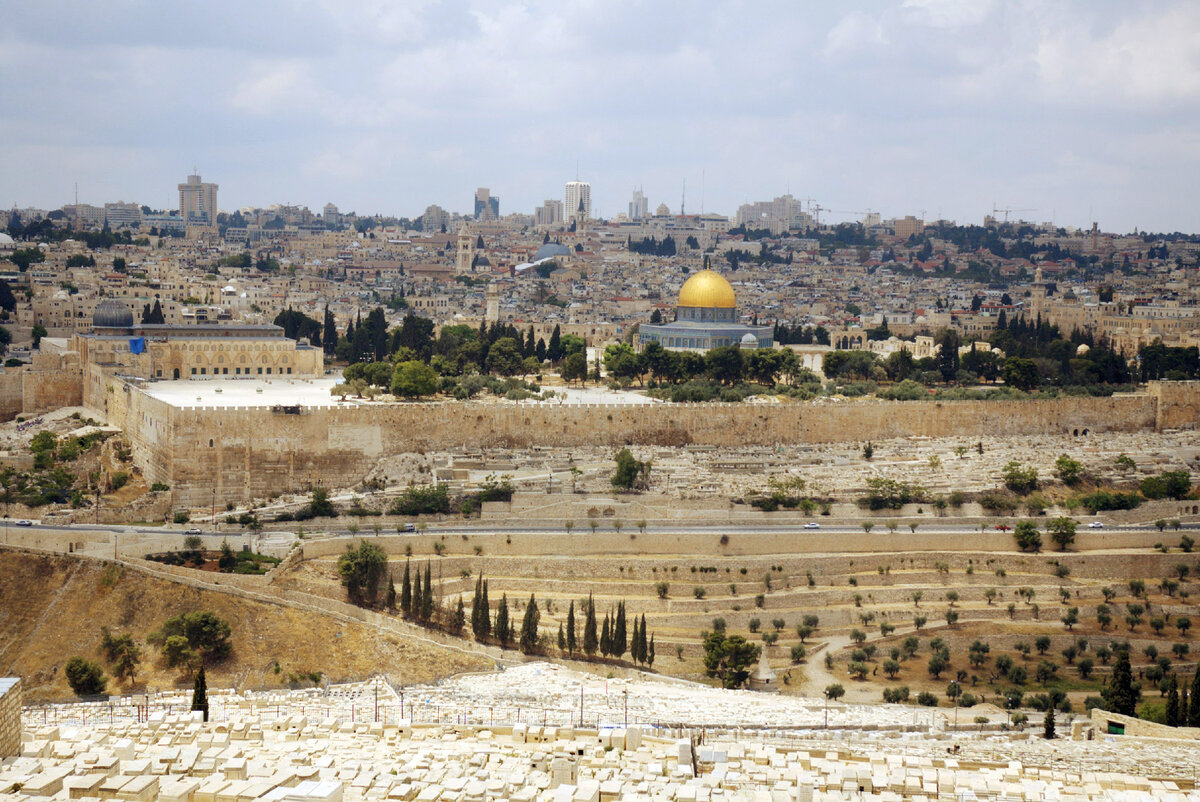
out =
column 1003, row 527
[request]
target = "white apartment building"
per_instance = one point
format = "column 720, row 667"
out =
column 578, row 201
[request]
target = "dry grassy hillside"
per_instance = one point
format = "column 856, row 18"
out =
column 52, row 608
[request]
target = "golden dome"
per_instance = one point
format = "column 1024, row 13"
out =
column 707, row 289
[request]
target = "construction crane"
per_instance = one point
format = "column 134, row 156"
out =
column 996, row 210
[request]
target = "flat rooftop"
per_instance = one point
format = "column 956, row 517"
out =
column 256, row 392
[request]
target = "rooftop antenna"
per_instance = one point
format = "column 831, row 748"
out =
column 683, row 200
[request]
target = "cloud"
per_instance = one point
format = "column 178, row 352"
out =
column 894, row 104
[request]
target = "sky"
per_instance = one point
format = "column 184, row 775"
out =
column 1071, row 110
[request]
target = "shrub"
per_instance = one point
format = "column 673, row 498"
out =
column 927, row 699
column 699, row 592
column 181, row 517
column 119, row 480
column 662, row 589
column 85, row 677
column 159, row 487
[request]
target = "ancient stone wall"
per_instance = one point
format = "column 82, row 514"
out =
column 51, row 382
column 254, row 452
column 1178, row 404
column 10, row 716
column 11, row 393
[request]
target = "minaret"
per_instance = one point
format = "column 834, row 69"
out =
column 493, row 303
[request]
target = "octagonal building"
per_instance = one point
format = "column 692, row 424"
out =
column 706, row 317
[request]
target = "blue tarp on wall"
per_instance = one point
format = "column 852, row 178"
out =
column 137, row 345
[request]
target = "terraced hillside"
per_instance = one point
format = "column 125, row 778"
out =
column 872, row 602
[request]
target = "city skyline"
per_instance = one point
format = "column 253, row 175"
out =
column 1072, row 113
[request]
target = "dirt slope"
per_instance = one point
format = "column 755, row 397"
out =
column 52, row 608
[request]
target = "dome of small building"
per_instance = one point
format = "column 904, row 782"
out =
column 551, row 250
column 5, row 239
column 707, row 289
column 112, row 314
column 749, row 341
column 1082, row 349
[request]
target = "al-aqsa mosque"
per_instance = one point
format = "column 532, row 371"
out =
column 706, row 317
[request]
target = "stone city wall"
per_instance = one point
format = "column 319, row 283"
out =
column 53, row 381
column 253, row 452
column 10, row 717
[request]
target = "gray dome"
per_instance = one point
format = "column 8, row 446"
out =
column 112, row 314
column 749, row 340
column 551, row 249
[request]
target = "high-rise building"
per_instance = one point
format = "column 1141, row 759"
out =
column 487, row 205
column 198, row 202
column 779, row 215
column 639, row 207
column 122, row 215
column 549, row 213
column 435, row 218
column 331, row 215
column 578, row 202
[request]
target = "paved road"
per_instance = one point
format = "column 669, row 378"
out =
column 557, row 528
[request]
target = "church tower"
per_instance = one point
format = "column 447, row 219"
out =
column 466, row 252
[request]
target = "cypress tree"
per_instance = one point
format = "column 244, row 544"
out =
column 391, row 594
column 406, row 593
column 475, row 601
column 460, row 616
column 1121, row 695
column 620, row 641
column 1173, row 703
column 650, row 653
column 427, row 597
column 562, row 638
column 554, row 349
column 1183, row 705
column 529, row 627
column 1048, row 724
column 642, row 639
column 590, row 641
column 485, row 615
column 633, row 642
column 1194, row 704
column 502, row 629
column 606, row 637
column 329, row 336
column 200, row 693
column 571, row 629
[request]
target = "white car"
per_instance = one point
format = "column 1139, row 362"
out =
column 1095, row 525
column 812, row 525
column 24, row 523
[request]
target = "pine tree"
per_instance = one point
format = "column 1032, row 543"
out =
column 427, row 597
column 590, row 641
column 460, row 616
column 606, row 637
column 529, row 627
column 620, row 641
column 200, row 693
column 650, row 653
column 1173, row 703
column 502, row 629
column 1194, row 704
column 571, row 629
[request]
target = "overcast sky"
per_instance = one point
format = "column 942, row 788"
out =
column 1079, row 109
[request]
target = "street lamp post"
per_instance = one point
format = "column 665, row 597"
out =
column 214, row 510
